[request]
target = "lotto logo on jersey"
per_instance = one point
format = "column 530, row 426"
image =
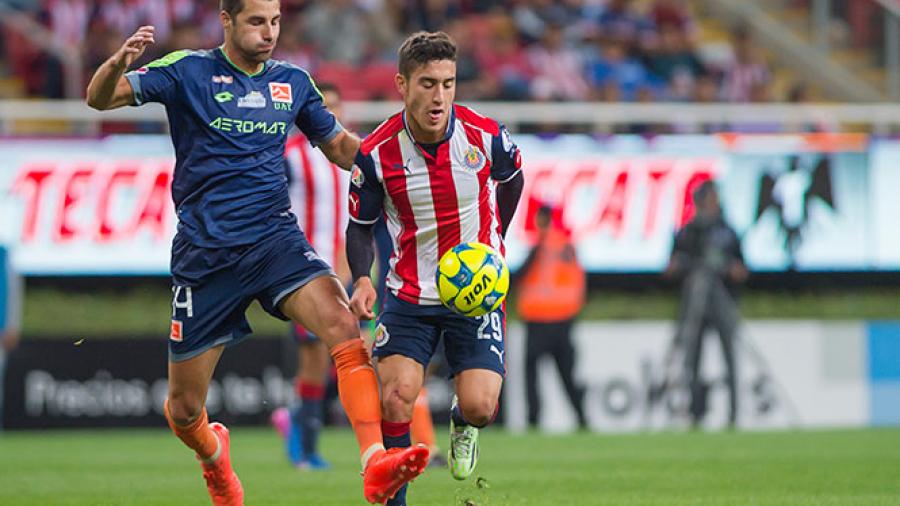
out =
column 281, row 93
column 175, row 333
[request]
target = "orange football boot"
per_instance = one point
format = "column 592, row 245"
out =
column 389, row 470
column 223, row 485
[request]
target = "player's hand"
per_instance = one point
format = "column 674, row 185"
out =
column 738, row 272
column 363, row 299
column 134, row 47
column 9, row 340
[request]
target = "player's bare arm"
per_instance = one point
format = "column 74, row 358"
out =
column 360, row 255
column 108, row 88
column 341, row 150
column 508, row 194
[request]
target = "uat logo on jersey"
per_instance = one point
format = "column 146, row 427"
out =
column 281, row 93
column 175, row 333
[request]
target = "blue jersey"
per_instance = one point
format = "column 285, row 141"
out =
column 229, row 130
column 10, row 295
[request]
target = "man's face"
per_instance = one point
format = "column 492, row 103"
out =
column 254, row 31
column 709, row 205
column 542, row 219
column 428, row 94
column 333, row 103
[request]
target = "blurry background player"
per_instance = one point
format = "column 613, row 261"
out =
column 441, row 174
column 229, row 110
column 10, row 313
column 707, row 258
column 318, row 190
column 551, row 292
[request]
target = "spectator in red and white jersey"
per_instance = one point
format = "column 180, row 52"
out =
column 747, row 72
column 559, row 70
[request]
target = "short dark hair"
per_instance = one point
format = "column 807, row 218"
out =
column 421, row 48
column 325, row 87
column 232, row 7
column 702, row 191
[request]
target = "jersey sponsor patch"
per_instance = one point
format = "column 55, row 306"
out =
column 175, row 333
column 357, row 177
column 474, row 159
column 222, row 79
column 252, row 100
column 281, row 93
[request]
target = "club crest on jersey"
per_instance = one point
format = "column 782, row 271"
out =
column 222, row 79
column 381, row 335
column 281, row 93
column 252, row 100
column 357, row 177
column 474, row 160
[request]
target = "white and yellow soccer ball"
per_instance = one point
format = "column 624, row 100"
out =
column 472, row 279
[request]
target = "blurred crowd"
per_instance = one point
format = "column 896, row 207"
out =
column 542, row 50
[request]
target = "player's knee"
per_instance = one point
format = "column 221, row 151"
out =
column 344, row 326
column 478, row 411
column 184, row 408
column 398, row 399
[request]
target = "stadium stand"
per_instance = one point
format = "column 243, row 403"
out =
column 613, row 50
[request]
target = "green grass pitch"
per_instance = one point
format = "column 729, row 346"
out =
column 150, row 467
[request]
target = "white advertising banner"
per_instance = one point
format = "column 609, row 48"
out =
column 812, row 202
column 791, row 374
column 88, row 207
column 801, row 201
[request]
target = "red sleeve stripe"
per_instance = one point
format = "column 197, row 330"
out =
column 471, row 117
column 406, row 267
column 385, row 131
column 473, row 135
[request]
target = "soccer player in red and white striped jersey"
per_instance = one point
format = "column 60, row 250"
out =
column 318, row 190
column 441, row 174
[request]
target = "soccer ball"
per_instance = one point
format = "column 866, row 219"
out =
column 472, row 279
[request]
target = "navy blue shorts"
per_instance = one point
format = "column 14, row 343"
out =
column 414, row 331
column 212, row 287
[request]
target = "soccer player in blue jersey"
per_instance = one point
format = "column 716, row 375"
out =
column 10, row 313
column 230, row 109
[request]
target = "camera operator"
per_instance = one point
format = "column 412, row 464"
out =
column 707, row 258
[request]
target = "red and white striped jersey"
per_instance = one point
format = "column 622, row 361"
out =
column 433, row 197
column 317, row 188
